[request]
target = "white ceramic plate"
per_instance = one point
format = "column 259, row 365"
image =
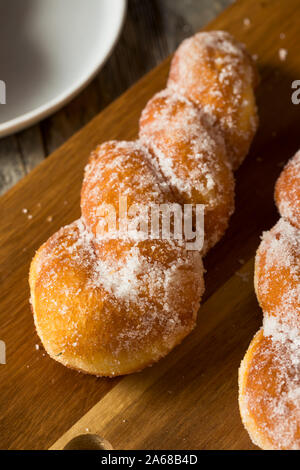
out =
column 49, row 51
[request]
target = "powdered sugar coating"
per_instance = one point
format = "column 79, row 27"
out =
column 120, row 307
column 287, row 191
column 269, row 376
column 121, row 170
column 270, row 393
column 110, row 305
column 215, row 71
column 277, row 280
column 190, row 153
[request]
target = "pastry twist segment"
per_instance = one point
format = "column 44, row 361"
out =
column 269, row 376
column 112, row 302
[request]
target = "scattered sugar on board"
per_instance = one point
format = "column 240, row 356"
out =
column 282, row 54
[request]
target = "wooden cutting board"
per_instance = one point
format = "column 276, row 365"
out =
column 189, row 399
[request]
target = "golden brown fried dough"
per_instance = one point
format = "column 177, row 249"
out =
column 110, row 293
column 269, row 376
column 287, row 191
column 192, row 157
column 117, row 311
column 214, row 71
column 269, row 384
column 277, row 277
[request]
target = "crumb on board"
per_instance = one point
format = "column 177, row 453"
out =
column 244, row 276
column 282, row 54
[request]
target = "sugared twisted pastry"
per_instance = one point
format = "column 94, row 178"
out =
column 112, row 302
column 216, row 72
column 269, row 376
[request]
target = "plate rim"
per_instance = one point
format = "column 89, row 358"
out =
column 41, row 112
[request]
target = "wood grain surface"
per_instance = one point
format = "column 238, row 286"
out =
column 188, row 400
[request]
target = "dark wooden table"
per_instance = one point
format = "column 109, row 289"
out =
column 152, row 30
